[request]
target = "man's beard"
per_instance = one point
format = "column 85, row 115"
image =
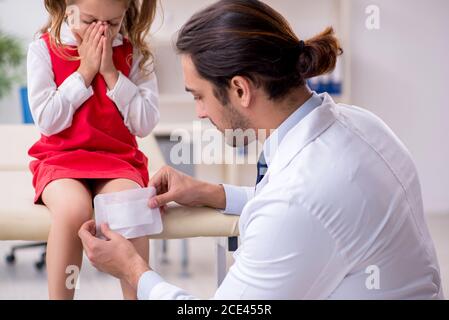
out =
column 241, row 134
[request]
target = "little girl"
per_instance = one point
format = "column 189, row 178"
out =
column 91, row 91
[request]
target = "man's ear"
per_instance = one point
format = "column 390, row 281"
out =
column 241, row 90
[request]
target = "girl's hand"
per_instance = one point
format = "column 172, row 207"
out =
column 107, row 67
column 90, row 49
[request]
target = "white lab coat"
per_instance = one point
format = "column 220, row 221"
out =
column 338, row 215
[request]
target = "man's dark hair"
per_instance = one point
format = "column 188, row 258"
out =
column 248, row 38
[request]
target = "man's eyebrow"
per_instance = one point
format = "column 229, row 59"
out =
column 190, row 90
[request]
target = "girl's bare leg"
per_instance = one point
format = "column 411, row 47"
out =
column 70, row 204
column 142, row 244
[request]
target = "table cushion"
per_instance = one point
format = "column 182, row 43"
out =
column 20, row 219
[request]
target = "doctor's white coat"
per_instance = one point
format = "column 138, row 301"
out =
column 338, row 215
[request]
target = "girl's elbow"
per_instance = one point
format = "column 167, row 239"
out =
column 45, row 130
column 49, row 129
column 149, row 123
column 41, row 125
column 144, row 131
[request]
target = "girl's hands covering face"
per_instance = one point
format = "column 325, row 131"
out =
column 90, row 50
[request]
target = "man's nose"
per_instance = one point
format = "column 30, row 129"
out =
column 200, row 112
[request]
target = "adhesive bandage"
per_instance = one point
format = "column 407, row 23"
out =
column 127, row 213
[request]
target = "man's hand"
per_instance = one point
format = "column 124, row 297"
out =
column 172, row 185
column 90, row 49
column 116, row 256
column 107, row 67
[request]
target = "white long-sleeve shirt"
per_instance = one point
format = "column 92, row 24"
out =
column 338, row 215
column 53, row 107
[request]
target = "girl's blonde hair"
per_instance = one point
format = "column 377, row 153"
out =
column 136, row 26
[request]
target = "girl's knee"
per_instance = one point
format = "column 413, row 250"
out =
column 73, row 215
column 69, row 201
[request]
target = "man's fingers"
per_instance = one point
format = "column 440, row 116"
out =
column 86, row 238
column 155, row 181
column 159, row 179
column 87, row 233
column 89, row 226
column 160, row 200
column 108, row 232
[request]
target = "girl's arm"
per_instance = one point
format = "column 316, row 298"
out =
column 52, row 107
column 137, row 99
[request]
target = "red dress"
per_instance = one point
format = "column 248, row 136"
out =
column 97, row 145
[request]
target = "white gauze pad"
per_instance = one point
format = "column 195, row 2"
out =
column 127, row 213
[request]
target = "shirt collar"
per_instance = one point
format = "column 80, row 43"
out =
column 67, row 37
column 272, row 143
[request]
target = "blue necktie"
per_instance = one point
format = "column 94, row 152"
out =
column 262, row 168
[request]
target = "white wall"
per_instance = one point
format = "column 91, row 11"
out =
column 306, row 16
column 401, row 72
